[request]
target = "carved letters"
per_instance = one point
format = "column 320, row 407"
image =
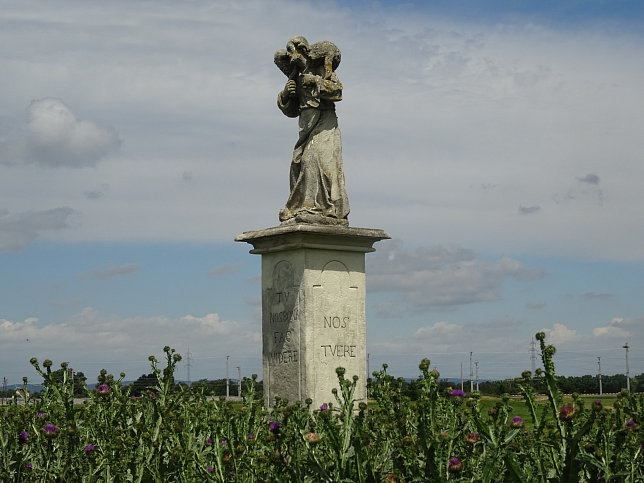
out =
column 281, row 331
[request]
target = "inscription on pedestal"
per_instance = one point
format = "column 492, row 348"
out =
column 281, row 332
column 340, row 339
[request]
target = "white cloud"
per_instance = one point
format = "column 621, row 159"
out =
column 56, row 138
column 20, row 229
column 441, row 277
column 619, row 328
column 502, row 105
column 560, row 334
column 610, row 331
column 440, row 330
column 116, row 270
column 90, row 340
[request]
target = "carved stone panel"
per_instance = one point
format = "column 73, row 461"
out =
column 281, row 333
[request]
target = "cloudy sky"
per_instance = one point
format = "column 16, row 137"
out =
column 500, row 146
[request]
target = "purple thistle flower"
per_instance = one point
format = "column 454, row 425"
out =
column 40, row 415
column 209, row 469
column 50, row 428
column 473, row 437
column 516, row 422
column 455, row 465
column 324, row 407
column 457, row 393
column 103, row 389
column 630, row 423
column 23, row 437
column 89, row 448
column 274, row 427
column 566, row 412
column 28, row 466
column 208, row 442
column 224, row 442
column 251, row 436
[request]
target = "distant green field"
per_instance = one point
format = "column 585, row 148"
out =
column 519, row 407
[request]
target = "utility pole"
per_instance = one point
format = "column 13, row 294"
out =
column 477, row 375
column 189, row 364
column 599, row 368
column 4, row 390
column 70, row 378
column 628, row 377
column 461, row 375
column 227, row 379
column 238, row 381
column 533, row 356
column 366, row 386
column 471, row 374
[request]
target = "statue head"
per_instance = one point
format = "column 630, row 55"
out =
column 294, row 57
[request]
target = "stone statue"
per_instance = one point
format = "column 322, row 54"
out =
column 316, row 177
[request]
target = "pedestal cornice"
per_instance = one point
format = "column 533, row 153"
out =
column 324, row 237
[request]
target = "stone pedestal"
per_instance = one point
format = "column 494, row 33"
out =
column 313, row 308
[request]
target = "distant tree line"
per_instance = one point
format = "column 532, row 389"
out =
column 215, row 387
column 568, row 384
column 79, row 380
column 587, row 384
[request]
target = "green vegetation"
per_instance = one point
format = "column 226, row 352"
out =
column 174, row 433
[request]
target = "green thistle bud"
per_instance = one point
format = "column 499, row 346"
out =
column 33, row 361
column 540, row 336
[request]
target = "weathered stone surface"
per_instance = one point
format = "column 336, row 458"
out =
column 313, row 307
column 316, row 174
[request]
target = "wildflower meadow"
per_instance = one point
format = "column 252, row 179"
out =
column 178, row 434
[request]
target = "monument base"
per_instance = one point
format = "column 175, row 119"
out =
column 313, row 308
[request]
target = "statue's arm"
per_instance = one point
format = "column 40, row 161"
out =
column 287, row 100
column 329, row 89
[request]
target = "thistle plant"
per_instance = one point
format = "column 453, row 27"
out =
column 177, row 433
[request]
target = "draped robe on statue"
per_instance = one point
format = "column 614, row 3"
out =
column 316, row 176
